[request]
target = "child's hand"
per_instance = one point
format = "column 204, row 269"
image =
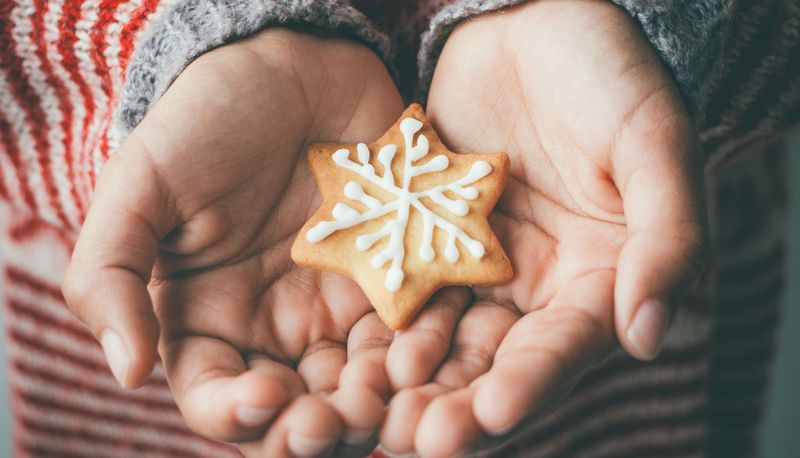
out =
column 193, row 218
column 603, row 215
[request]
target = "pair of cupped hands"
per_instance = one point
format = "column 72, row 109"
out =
column 185, row 251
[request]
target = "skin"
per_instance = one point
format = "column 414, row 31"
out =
column 603, row 211
column 185, row 250
column 189, row 234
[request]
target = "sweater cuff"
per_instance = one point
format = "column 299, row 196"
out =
column 193, row 27
column 688, row 36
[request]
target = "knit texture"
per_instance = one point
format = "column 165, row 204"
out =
column 62, row 68
column 194, row 27
column 689, row 37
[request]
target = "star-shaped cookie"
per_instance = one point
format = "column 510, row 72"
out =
column 404, row 216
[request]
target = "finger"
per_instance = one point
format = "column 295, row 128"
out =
column 320, row 366
column 447, row 426
column 417, row 351
column 307, row 427
column 106, row 282
column 403, row 415
column 367, row 345
column 361, row 411
column 219, row 396
column 477, row 338
column 545, row 352
column 659, row 171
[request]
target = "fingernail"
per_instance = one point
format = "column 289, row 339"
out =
column 504, row 430
column 253, row 416
column 357, row 436
column 119, row 360
column 646, row 331
column 307, row 447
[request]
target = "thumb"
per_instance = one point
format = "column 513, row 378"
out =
column 658, row 166
column 106, row 281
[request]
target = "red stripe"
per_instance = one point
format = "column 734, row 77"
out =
column 44, row 375
column 70, row 13
column 572, row 415
column 105, row 16
column 62, row 95
column 128, row 33
column 31, row 104
column 55, row 353
column 32, row 282
column 3, row 188
column 31, row 226
column 58, row 353
column 106, row 9
column 9, row 139
column 127, row 40
column 105, row 148
column 71, row 327
column 75, row 432
column 93, row 414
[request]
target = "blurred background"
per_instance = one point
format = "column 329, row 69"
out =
column 781, row 425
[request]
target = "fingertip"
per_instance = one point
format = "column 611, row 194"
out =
column 234, row 408
column 131, row 369
column 402, row 417
column 258, row 389
column 646, row 332
column 408, row 364
column 447, row 426
column 366, row 372
column 312, row 426
column 500, row 401
column 361, row 410
column 359, row 406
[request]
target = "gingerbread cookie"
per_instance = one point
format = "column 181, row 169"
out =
column 404, row 216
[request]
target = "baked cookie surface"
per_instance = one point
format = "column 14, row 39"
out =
column 404, row 216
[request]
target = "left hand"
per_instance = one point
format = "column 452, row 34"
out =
column 603, row 218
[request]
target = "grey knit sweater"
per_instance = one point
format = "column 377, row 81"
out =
column 688, row 35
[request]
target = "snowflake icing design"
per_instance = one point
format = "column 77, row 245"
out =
column 346, row 216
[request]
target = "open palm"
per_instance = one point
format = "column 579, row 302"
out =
column 194, row 218
column 602, row 216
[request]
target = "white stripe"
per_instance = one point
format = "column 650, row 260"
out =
column 58, row 311
column 16, row 118
column 114, row 45
column 51, row 36
column 74, row 445
column 83, row 48
column 655, row 436
column 66, row 369
column 69, row 396
column 54, row 117
column 23, row 25
column 631, row 380
column 642, row 410
column 43, row 303
column 66, row 343
column 86, row 447
column 10, row 178
column 114, row 431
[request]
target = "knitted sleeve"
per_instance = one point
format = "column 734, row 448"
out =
column 735, row 62
column 76, row 76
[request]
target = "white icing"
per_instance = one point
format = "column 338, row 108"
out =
column 394, row 251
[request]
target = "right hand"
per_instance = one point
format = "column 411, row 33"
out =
column 185, row 249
